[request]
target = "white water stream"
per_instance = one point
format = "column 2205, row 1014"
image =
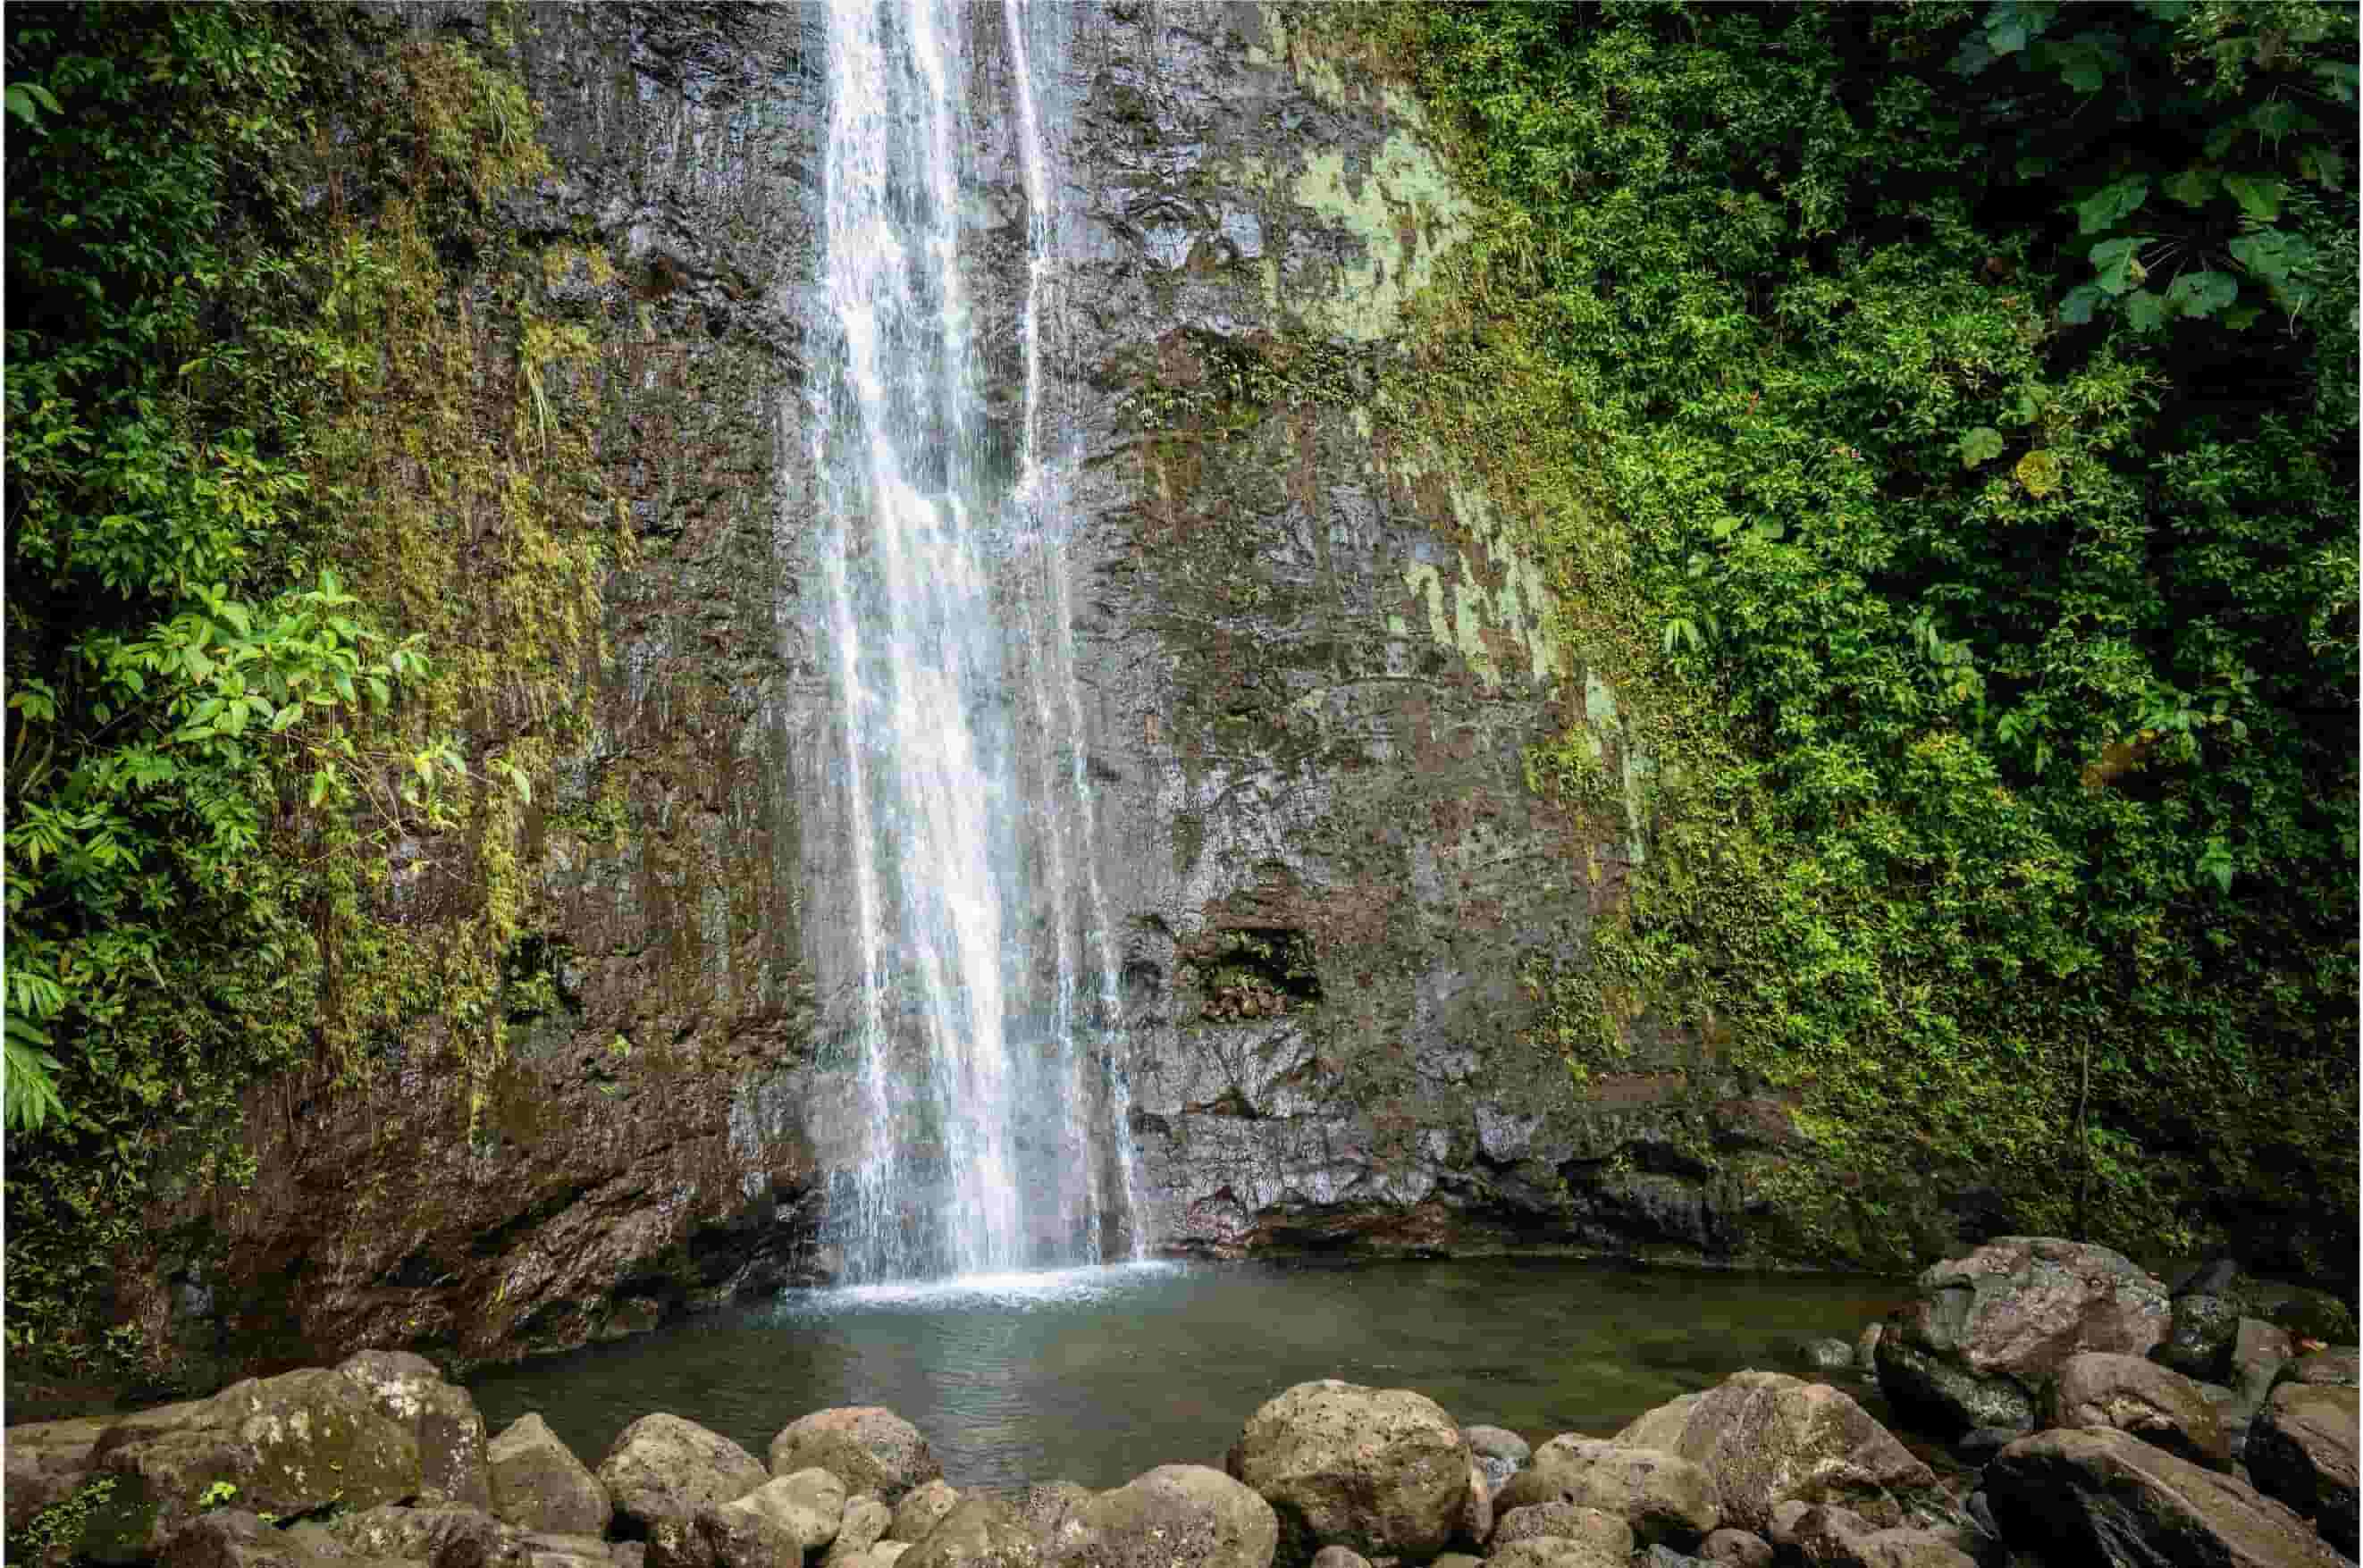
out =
column 983, row 968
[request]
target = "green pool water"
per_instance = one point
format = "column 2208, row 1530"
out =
column 1097, row 1375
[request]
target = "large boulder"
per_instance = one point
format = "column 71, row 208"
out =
column 237, row 1538
column 1768, row 1438
column 869, row 1448
column 662, row 1467
column 48, row 1463
column 2095, row 1388
column 1828, row 1536
column 2199, row 1335
column 1569, row 1521
column 283, row 1445
column 1176, row 1513
column 2302, row 1450
column 1986, row 1330
column 978, row 1533
column 453, row 1464
column 921, row 1509
column 1381, row 1470
column 1661, row 1496
column 1553, row 1551
column 2341, row 1365
column 863, row 1527
column 2096, row 1495
column 539, row 1485
column 720, row 1537
column 809, row 1505
column 449, row 1535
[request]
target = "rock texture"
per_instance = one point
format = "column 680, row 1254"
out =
column 2094, row 1388
column 2302, row 1451
column 1658, row 1495
column 1384, row 1471
column 1974, row 1348
column 1769, row 1439
column 2107, row 1497
column 867, row 1447
column 664, row 1468
column 537, row 1483
column 1176, row 1513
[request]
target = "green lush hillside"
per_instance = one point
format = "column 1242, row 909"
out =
column 1947, row 412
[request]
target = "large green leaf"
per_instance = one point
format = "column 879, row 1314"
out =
column 2203, row 293
column 2259, row 195
column 2195, row 186
column 2111, row 204
column 2112, row 262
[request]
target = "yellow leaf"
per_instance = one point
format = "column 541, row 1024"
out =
column 2038, row 472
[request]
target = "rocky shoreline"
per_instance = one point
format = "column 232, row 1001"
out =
column 2091, row 1414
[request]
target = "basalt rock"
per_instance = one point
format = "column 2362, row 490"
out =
column 537, row 1483
column 1987, row 1329
column 2093, row 1388
column 662, row 1467
column 2100, row 1496
column 1660, row 1495
column 1382, row 1470
column 2302, row 1452
column 869, row 1448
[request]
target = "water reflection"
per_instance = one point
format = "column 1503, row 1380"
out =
column 1097, row 1375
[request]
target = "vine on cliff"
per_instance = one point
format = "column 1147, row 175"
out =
column 304, row 562
column 1990, row 646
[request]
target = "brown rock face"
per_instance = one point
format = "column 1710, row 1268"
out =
column 2096, row 1495
column 1661, row 1496
column 1768, row 1439
column 1987, row 1329
column 1384, row 1471
column 2095, row 1388
column 2302, row 1451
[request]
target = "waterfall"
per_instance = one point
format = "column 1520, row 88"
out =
column 972, row 931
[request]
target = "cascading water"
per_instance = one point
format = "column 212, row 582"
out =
column 983, row 986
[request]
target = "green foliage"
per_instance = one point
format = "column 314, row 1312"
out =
column 55, row 1532
column 249, row 445
column 1941, row 421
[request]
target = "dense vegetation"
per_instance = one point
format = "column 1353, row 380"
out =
column 255, row 433
column 1942, row 418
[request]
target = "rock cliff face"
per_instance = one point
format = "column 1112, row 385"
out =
column 1311, row 655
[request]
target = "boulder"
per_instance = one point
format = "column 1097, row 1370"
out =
column 1476, row 1508
column 2306, row 1312
column 1865, row 1348
column 2095, row 1388
column 978, row 1533
column 1339, row 1557
column 1498, row 1451
column 2339, row 1366
column 1050, row 1509
column 1986, row 1330
column 920, row 1510
column 1828, row 1536
column 2199, row 1335
column 718, row 1536
column 1569, row 1521
column 449, row 1535
column 287, row 1445
column 1553, row 1551
column 1768, row 1438
column 2301, row 1451
column 809, row 1505
column 1381, row 1470
column 1658, row 1495
column 236, row 1538
column 662, row 1467
column 863, row 1527
column 539, row 1485
column 559, row 1549
column 1176, row 1513
column 869, row 1448
column 48, row 1463
column 2096, row 1495
column 452, row 1464
column 1826, row 1354
column 1736, row 1548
